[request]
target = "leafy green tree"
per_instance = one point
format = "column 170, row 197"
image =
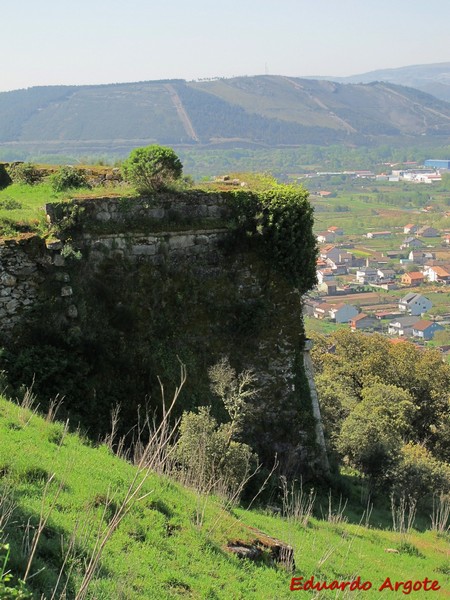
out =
column 336, row 404
column 371, row 436
column 359, row 361
column 152, row 168
column 418, row 473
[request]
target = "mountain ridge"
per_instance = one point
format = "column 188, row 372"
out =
column 430, row 78
column 270, row 111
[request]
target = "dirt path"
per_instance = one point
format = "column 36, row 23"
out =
column 176, row 100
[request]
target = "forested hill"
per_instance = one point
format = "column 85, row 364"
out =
column 267, row 111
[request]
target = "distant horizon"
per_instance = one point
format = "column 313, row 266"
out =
column 218, row 77
column 95, row 42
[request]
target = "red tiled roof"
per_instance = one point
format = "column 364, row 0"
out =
column 441, row 272
column 414, row 275
column 422, row 325
column 359, row 317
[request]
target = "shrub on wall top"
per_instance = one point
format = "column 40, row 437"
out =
column 26, row 173
column 68, row 178
column 152, row 168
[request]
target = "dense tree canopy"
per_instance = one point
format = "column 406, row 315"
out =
column 386, row 407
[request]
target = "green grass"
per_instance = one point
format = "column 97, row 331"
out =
column 322, row 326
column 22, row 207
column 172, row 542
column 30, row 201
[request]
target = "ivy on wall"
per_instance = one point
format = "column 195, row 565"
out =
column 280, row 221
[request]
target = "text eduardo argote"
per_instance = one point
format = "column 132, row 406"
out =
column 408, row 586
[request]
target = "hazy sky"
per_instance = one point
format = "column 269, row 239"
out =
column 101, row 41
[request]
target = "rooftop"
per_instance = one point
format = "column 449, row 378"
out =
column 422, row 325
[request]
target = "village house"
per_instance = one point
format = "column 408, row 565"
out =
column 325, row 237
column 366, row 275
column 324, row 275
column 412, row 279
column 362, row 321
column 322, row 311
column 402, row 326
column 425, row 330
column 340, row 313
column 328, row 287
column 427, row 232
column 336, row 230
column 331, row 252
column 393, row 254
column 438, row 274
column 419, row 257
column 346, row 258
column 414, row 304
column 411, row 242
column 447, row 238
column 336, row 267
column 410, row 228
column 343, row 313
column 385, row 274
column 378, row 234
column 427, row 177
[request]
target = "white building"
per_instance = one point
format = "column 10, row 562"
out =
column 414, row 304
column 343, row 313
column 402, row 326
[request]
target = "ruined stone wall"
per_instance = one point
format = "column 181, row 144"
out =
column 170, row 275
column 169, row 207
column 22, row 267
column 154, row 247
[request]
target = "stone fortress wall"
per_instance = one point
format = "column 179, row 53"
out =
column 185, row 231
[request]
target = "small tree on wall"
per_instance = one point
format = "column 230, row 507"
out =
column 152, row 168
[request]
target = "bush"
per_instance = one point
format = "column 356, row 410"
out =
column 212, row 460
column 69, row 178
column 25, row 173
column 152, row 168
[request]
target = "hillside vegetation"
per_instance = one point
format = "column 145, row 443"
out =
column 172, row 542
column 267, row 111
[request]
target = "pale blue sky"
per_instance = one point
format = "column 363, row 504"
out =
column 50, row 42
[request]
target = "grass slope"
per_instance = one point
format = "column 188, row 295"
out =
column 171, row 543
